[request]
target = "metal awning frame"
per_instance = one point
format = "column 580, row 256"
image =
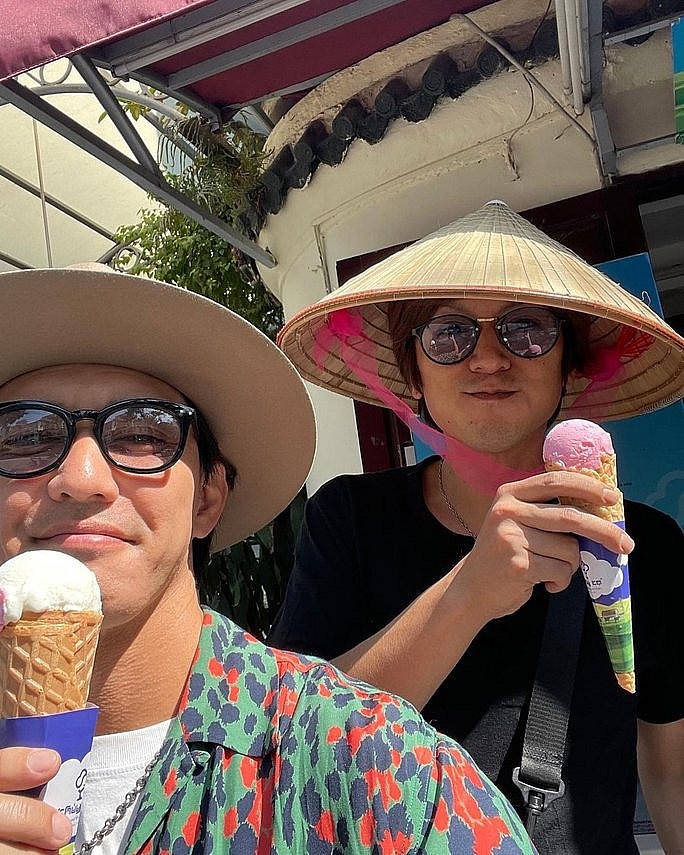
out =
column 54, row 202
column 188, row 30
column 143, row 170
column 599, row 117
column 131, row 55
column 609, row 152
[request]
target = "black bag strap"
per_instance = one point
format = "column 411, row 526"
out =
column 539, row 775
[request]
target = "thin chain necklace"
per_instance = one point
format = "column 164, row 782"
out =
column 448, row 503
column 120, row 812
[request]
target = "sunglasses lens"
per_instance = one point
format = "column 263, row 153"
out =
column 449, row 339
column 529, row 331
column 142, row 437
column 31, row 440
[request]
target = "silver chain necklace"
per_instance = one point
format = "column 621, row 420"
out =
column 448, row 503
column 120, row 812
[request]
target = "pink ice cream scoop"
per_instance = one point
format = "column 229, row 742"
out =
column 577, row 444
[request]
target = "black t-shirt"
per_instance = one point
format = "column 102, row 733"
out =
column 369, row 546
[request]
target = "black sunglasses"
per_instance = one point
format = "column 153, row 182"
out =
column 141, row 435
column 525, row 331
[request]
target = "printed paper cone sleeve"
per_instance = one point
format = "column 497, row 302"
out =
column 607, row 576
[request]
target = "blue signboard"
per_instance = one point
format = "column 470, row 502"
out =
column 678, row 60
column 650, row 448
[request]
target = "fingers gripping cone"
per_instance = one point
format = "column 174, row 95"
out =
column 582, row 446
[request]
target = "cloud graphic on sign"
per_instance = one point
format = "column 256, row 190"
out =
column 668, row 495
column 601, row 576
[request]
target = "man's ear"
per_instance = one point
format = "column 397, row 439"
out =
column 210, row 500
column 415, row 381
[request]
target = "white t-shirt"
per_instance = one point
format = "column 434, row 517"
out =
column 116, row 762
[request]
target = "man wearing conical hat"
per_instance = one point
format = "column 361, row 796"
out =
column 434, row 581
column 136, row 434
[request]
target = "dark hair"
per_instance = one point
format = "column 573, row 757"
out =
column 402, row 317
column 209, row 458
column 575, row 342
column 405, row 315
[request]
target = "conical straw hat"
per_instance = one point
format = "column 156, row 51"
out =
column 496, row 254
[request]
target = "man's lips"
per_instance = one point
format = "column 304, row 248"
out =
column 82, row 532
column 491, row 394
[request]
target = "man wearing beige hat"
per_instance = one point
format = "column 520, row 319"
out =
column 449, row 582
column 136, row 434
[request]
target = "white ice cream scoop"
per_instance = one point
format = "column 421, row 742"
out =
column 44, row 580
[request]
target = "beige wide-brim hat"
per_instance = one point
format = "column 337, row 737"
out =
column 496, row 254
column 251, row 396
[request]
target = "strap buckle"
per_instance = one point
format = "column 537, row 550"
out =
column 536, row 798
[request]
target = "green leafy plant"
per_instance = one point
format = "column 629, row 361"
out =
column 245, row 582
column 166, row 244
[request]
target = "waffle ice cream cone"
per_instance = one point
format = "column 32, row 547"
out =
column 581, row 446
column 47, row 662
column 47, row 652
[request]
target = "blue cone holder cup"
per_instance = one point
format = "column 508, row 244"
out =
column 607, row 578
column 71, row 735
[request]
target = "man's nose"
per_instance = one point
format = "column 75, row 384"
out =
column 489, row 355
column 85, row 474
